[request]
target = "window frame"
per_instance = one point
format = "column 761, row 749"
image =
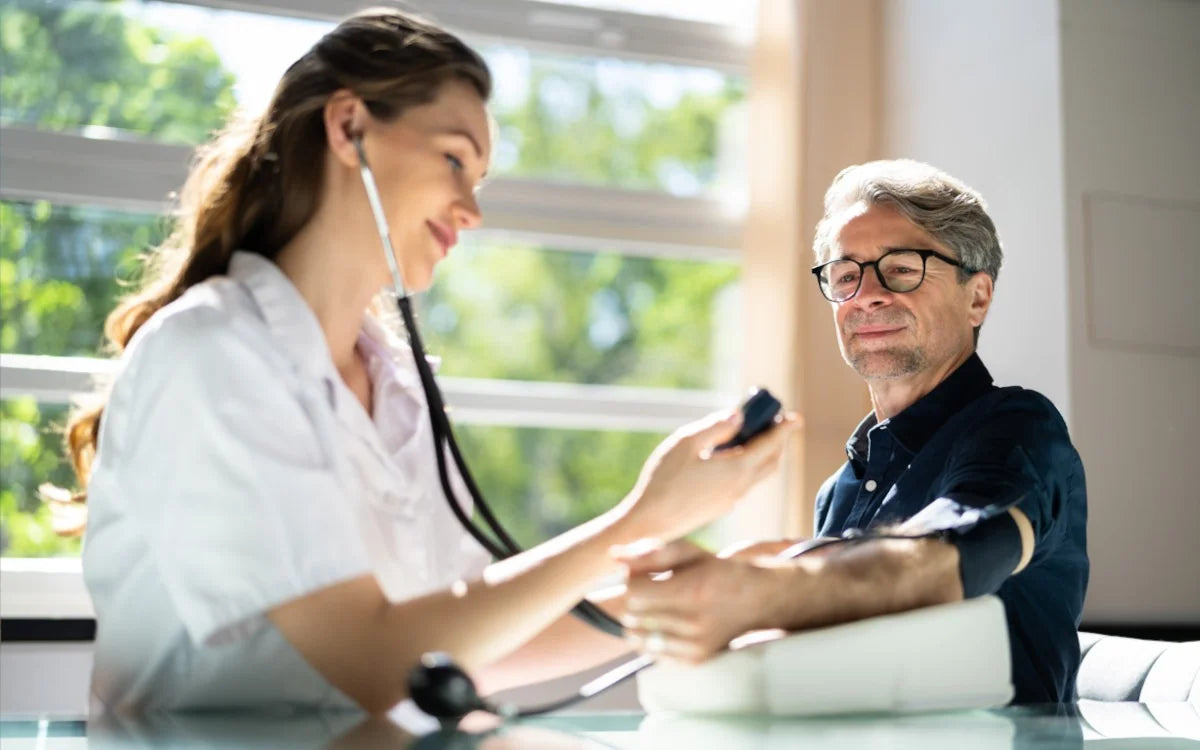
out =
column 137, row 175
column 76, row 169
column 550, row 27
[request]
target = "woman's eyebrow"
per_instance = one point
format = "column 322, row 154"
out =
column 465, row 134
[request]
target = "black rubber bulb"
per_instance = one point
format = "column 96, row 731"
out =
column 758, row 414
column 441, row 689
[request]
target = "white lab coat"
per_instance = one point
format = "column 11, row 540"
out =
column 236, row 471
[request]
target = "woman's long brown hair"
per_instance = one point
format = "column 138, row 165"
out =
column 256, row 184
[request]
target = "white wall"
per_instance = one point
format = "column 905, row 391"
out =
column 973, row 88
column 1082, row 112
column 1131, row 101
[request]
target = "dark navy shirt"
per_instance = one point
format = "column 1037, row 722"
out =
column 1001, row 447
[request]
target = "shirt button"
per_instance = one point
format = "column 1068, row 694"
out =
column 871, row 485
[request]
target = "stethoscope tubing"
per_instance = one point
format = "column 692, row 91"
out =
column 503, row 545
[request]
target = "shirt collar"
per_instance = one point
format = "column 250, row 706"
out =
column 856, row 446
column 287, row 314
column 915, row 425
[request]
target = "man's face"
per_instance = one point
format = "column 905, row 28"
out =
column 886, row 335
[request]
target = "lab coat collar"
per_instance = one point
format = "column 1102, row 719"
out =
column 288, row 316
column 384, row 343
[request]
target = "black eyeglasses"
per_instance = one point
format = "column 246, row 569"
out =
column 900, row 271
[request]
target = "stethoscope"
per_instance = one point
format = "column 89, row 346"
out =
column 437, row 685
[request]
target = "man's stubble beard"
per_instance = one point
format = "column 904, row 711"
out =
column 888, row 364
column 883, row 364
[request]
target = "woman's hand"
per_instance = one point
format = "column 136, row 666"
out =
column 767, row 553
column 684, row 484
column 703, row 604
column 751, row 551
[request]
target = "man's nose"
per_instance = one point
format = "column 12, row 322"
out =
column 872, row 293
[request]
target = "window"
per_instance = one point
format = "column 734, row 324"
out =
column 544, row 481
column 736, row 15
column 62, row 268
column 174, row 73
column 611, row 122
column 519, row 311
column 593, row 314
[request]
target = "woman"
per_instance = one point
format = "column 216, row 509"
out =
column 265, row 522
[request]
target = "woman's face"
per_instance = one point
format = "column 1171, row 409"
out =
column 428, row 164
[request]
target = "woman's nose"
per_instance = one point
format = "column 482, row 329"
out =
column 467, row 214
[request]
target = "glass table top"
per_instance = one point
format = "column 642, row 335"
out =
column 1104, row 726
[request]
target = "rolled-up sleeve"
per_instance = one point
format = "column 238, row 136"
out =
column 225, row 463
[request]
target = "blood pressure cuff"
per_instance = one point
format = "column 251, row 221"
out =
column 987, row 538
column 987, row 477
column 988, row 553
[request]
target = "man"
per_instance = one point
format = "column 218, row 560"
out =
column 908, row 258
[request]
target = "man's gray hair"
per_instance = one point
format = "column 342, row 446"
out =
column 946, row 208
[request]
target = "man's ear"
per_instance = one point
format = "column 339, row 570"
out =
column 345, row 116
column 980, row 287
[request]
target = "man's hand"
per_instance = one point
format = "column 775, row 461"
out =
column 688, row 604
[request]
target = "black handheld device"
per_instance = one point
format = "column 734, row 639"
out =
column 759, row 412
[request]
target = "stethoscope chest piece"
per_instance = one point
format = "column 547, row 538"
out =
column 443, row 690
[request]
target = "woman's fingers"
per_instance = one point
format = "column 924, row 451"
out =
column 673, row 624
column 667, row 645
column 774, row 438
column 695, row 611
column 753, row 549
column 764, row 447
column 713, row 430
column 770, row 450
column 684, row 485
column 645, row 557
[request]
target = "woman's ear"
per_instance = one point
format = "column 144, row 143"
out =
column 345, row 117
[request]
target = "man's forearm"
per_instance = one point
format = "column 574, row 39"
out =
column 863, row 580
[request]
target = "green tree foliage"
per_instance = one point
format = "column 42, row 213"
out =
column 507, row 310
column 569, row 129
column 29, row 455
column 73, row 65
column 69, row 65
column 542, row 482
column 498, row 309
column 62, row 269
